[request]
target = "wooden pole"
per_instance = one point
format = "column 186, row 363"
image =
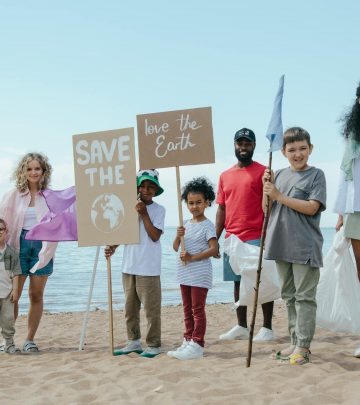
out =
column 181, row 220
column 86, row 318
column 257, row 285
column 111, row 323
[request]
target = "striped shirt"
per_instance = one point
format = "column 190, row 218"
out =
column 197, row 273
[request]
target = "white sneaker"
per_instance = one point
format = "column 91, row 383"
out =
column 237, row 332
column 132, row 346
column 264, row 335
column 151, row 352
column 192, row 351
column 179, row 349
column 357, row 353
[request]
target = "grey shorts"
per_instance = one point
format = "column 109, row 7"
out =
column 352, row 225
column 228, row 273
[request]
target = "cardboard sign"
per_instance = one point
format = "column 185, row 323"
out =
column 175, row 138
column 105, row 180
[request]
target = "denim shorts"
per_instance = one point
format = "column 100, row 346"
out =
column 228, row 273
column 29, row 255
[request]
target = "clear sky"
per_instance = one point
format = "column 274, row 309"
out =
column 70, row 67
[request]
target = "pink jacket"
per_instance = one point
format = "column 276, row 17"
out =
column 12, row 210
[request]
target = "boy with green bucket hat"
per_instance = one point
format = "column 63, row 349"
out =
column 141, row 269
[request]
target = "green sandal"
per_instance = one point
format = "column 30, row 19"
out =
column 298, row 359
column 276, row 355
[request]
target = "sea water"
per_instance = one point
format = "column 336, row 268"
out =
column 68, row 287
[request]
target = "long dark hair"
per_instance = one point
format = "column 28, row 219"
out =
column 351, row 120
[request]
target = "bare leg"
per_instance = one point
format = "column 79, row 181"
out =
column 36, row 293
column 267, row 309
column 241, row 311
column 356, row 248
column 22, row 280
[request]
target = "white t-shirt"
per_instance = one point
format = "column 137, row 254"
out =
column 30, row 218
column 144, row 258
column 198, row 273
column 5, row 277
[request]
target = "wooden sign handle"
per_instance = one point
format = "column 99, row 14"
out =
column 258, row 273
column 181, row 220
column 110, row 306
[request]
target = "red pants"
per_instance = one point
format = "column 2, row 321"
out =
column 194, row 299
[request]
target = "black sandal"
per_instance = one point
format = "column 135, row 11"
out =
column 30, row 347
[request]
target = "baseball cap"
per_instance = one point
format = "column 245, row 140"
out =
column 149, row 174
column 245, row 133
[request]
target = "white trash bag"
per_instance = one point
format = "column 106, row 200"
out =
column 338, row 292
column 244, row 262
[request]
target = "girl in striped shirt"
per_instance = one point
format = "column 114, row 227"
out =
column 194, row 266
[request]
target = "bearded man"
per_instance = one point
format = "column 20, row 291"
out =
column 240, row 213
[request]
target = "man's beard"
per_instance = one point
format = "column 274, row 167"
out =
column 245, row 158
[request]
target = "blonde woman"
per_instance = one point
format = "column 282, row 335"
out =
column 23, row 207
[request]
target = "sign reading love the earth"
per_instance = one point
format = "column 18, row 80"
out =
column 105, row 180
column 175, row 138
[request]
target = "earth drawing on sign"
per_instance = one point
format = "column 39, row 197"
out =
column 107, row 213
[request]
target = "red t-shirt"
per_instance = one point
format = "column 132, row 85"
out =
column 240, row 191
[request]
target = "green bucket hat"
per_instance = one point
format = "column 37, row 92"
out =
column 149, row 174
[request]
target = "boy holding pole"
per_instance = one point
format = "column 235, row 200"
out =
column 294, row 239
column 141, row 268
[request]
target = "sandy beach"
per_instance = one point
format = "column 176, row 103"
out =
column 60, row 374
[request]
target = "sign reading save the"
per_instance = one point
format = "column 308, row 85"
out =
column 105, row 180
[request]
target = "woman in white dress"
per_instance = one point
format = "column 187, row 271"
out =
column 348, row 200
